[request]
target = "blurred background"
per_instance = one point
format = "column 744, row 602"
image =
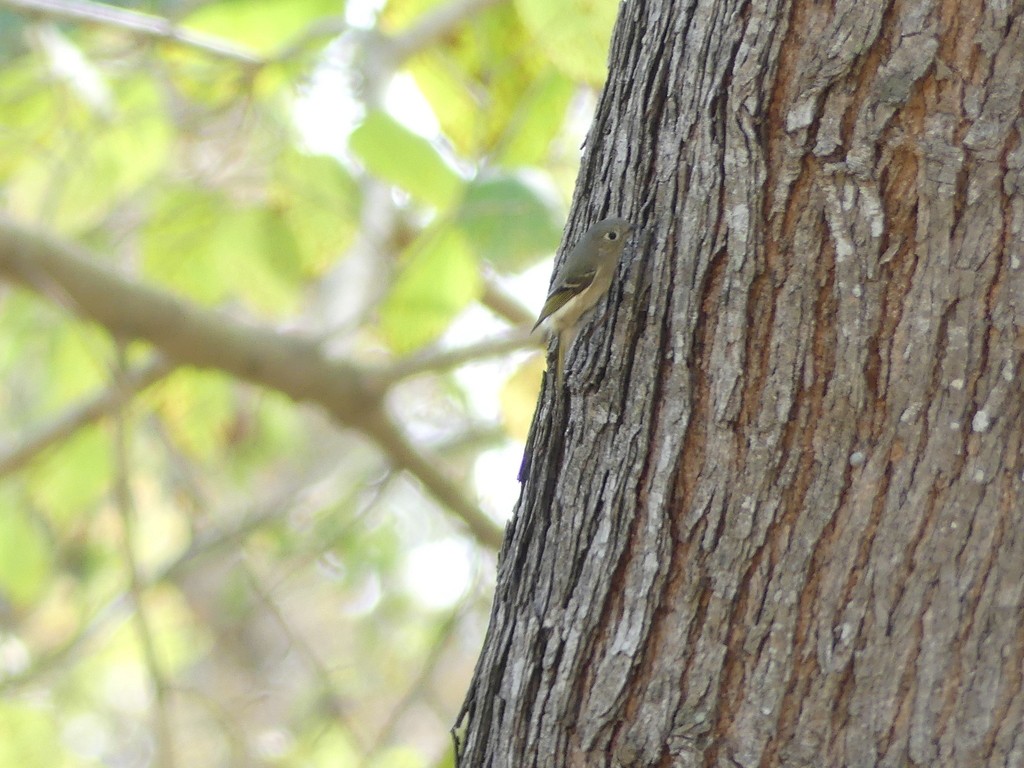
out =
column 198, row 571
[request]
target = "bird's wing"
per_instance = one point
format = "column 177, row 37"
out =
column 563, row 292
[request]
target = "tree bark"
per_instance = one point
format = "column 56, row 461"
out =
column 775, row 519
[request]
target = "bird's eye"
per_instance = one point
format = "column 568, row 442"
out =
column 612, row 235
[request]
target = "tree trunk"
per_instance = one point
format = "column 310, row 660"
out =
column 775, row 519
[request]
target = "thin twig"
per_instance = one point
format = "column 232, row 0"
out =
column 503, row 304
column 321, row 29
column 136, row 587
column 139, row 24
column 431, row 27
column 225, row 717
column 338, row 707
column 408, row 457
column 474, row 438
column 70, row 421
column 203, row 545
column 436, row 361
column 416, row 688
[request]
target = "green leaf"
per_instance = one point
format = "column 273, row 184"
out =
column 574, row 34
column 71, row 477
column 320, row 203
column 398, row 15
column 537, row 120
column 203, row 245
column 262, row 26
column 477, row 82
column 179, row 642
column 45, row 361
column 12, row 35
column 26, row 559
column 439, row 278
column 29, row 737
column 30, row 115
column 177, row 248
column 397, row 757
column 198, row 408
column 86, row 172
column 259, row 258
column 397, row 155
column 508, row 223
column 329, row 746
column 212, row 85
column 268, row 430
column 79, row 360
column 448, row 89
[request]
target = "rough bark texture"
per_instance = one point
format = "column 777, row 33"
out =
column 777, row 519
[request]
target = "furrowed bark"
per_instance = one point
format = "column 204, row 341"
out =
column 778, row 518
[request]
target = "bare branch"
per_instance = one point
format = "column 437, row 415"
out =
column 431, row 27
column 406, row 456
column 139, row 24
column 187, row 334
column 440, row 645
column 475, row 438
column 126, row 506
column 190, row 335
column 433, row 361
column 78, row 416
column 339, row 708
column 501, row 303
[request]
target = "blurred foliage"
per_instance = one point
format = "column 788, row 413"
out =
column 247, row 584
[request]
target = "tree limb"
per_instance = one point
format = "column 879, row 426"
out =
column 428, row 29
column 408, row 457
column 503, row 304
column 139, row 24
column 70, row 421
column 434, row 360
column 191, row 335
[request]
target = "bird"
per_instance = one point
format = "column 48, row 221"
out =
column 584, row 277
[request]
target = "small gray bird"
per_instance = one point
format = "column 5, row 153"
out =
column 581, row 281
